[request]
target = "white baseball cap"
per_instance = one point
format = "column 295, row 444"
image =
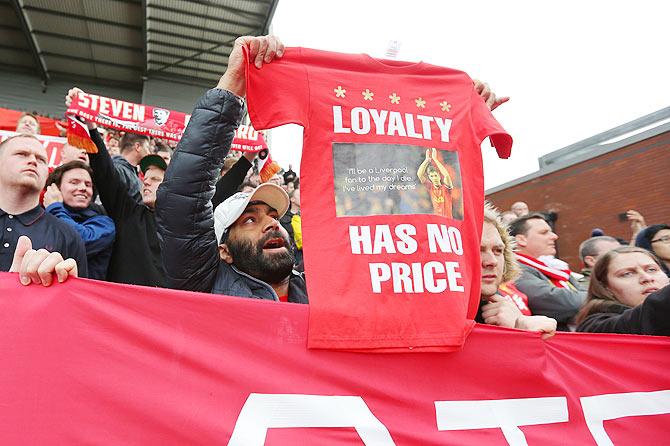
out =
column 230, row 210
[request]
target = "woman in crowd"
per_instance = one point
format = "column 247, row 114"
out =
column 656, row 238
column 628, row 293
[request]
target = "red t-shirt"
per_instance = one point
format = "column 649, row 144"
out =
column 384, row 272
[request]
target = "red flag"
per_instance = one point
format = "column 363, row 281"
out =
column 267, row 168
column 78, row 135
column 89, row 362
column 249, row 140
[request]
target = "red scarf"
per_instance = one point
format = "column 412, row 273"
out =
column 559, row 277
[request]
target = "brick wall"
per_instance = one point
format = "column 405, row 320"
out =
column 593, row 193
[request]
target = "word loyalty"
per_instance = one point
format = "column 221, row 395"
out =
column 363, row 121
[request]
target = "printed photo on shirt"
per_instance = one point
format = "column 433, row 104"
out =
column 395, row 179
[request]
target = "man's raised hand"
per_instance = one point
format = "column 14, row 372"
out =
column 492, row 101
column 74, row 91
column 39, row 266
column 263, row 49
column 52, row 195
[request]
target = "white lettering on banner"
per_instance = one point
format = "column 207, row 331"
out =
column 121, row 109
column 84, row 100
column 507, row 415
column 265, row 411
column 245, row 132
column 391, row 123
column 599, row 408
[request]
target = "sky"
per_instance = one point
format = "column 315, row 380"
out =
column 572, row 68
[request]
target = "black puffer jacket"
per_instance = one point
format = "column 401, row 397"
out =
column 651, row 317
column 184, row 211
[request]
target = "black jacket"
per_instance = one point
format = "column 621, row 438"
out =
column 227, row 185
column 651, row 317
column 136, row 256
column 184, row 210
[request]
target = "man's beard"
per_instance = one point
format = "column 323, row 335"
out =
column 270, row 268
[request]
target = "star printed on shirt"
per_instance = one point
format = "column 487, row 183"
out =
column 367, row 94
column 339, row 91
column 395, row 99
column 420, row 102
column 445, row 106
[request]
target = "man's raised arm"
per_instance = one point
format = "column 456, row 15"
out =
column 184, row 211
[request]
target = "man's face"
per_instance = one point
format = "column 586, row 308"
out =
column 71, row 153
column 539, row 240
column 434, row 177
column 143, row 148
column 23, row 163
column 76, row 187
column 602, row 247
column 27, row 124
column 295, row 198
column 165, row 155
column 492, row 252
column 152, row 179
column 277, row 179
column 259, row 246
column 520, row 208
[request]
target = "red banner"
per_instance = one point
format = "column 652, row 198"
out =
column 52, row 144
column 93, row 363
column 130, row 117
column 248, row 140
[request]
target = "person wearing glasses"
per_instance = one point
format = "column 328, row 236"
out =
column 656, row 238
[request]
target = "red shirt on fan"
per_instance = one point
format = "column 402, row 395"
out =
column 398, row 276
column 440, row 196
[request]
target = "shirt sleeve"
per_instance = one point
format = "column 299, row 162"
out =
column 278, row 93
column 113, row 191
column 97, row 232
column 485, row 125
column 227, row 185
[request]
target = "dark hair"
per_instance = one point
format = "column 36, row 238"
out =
column 588, row 246
column 129, row 139
column 520, row 225
column 57, row 175
column 644, row 238
column 162, row 147
column 599, row 298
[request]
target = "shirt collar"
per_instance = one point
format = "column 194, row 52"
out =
column 28, row 217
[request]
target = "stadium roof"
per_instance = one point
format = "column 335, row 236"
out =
column 124, row 42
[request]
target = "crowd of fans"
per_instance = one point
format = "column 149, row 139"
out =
column 206, row 223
